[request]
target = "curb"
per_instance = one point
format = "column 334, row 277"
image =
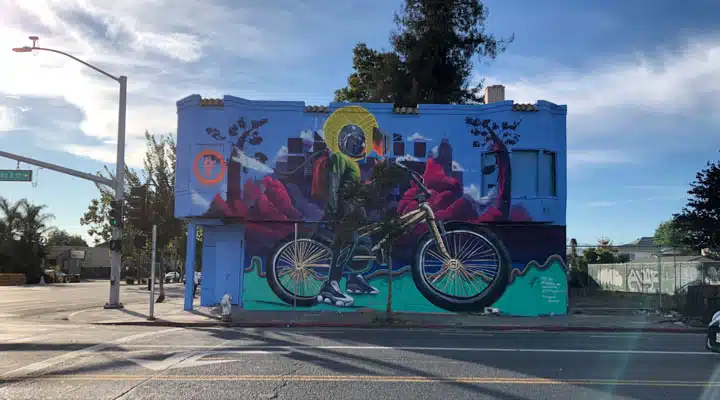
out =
column 489, row 328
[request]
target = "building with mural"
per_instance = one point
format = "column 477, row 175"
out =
column 287, row 199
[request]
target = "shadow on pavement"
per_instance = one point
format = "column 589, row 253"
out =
column 598, row 367
column 587, row 366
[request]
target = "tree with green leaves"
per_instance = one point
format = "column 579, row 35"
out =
column 604, row 253
column 149, row 200
column 699, row 221
column 431, row 60
column 670, row 234
column 370, row 199
column 23, row 226
column 59, row 237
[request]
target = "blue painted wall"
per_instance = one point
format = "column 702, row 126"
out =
column 223, row 252
column 250, row 166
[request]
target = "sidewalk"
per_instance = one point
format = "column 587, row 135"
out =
column 171, row 314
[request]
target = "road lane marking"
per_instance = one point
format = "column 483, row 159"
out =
column 464, row 334
column 38, row 366
column 43, row 333
column 190, row 359
column 425, row 348
column 374, row 378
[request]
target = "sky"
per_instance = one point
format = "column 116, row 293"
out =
column 641, row 82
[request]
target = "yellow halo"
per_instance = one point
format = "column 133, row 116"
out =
column 349, row 115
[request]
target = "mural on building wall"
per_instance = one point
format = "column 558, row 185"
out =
column 311, row 240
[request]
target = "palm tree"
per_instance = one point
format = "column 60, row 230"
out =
column 8, row 219
column 22, row 226
column 33, row 223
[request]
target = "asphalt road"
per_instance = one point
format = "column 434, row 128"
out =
column 24, row 302
column 81, row 362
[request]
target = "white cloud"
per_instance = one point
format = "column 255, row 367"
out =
column 416, row 137
column 456, row 166
column 679, row 195
column 671, row 85
column 434, row 151
column 579, row 158
column 153, row 43
column 8, row 119
column 602, row 203
column 626, row 103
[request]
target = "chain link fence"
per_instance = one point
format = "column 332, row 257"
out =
column 676, row 278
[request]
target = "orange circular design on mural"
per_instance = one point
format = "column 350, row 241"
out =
column 209, row 154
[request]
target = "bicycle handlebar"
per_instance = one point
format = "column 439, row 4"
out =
column 414, row 178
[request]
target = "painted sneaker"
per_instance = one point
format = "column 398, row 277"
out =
column 330, row 294
column 356, row 284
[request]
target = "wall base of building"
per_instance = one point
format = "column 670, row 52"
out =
column 535, row 288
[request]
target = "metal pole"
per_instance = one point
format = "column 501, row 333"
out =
column 660, row 288
column 116, row 260
column 296, row 282
column 151, row 315
column 59, row 168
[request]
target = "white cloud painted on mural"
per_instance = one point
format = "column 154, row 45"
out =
column 473, row 191
column 198, row 199
column 457, row 167
column 307, row 136
column 416, row 137
column 408, row 157
column 251, row 162
column 282, row 154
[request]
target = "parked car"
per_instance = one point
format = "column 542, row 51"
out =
column 53, row 276
column 172, row 276
column 712, row 341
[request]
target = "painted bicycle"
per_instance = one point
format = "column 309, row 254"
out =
column 456, row 266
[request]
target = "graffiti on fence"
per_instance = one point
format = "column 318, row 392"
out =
column 610, row 278
column 643, row 280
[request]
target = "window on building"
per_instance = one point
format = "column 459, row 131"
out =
column 534, row 173
column 489, row 180
column 399, row 149
column 548, row 174
column 524, row 173
column 420, row 149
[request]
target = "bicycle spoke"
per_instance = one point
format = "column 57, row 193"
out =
column 473, row 264
column 291, row 261
column 470, row 279
column 296, row 265
column 437, row 256
column 440, row 274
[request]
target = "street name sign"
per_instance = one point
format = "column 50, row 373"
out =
column 15, row 175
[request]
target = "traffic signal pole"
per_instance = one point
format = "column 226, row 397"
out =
column 116, row 256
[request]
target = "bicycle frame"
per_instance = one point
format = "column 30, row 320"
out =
column 407, row 222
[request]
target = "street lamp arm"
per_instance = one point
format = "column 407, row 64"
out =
column 113, row 77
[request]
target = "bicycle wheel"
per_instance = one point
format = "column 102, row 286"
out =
column 475, row 275
column 297, row 271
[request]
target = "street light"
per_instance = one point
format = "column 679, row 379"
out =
column 115, row 261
